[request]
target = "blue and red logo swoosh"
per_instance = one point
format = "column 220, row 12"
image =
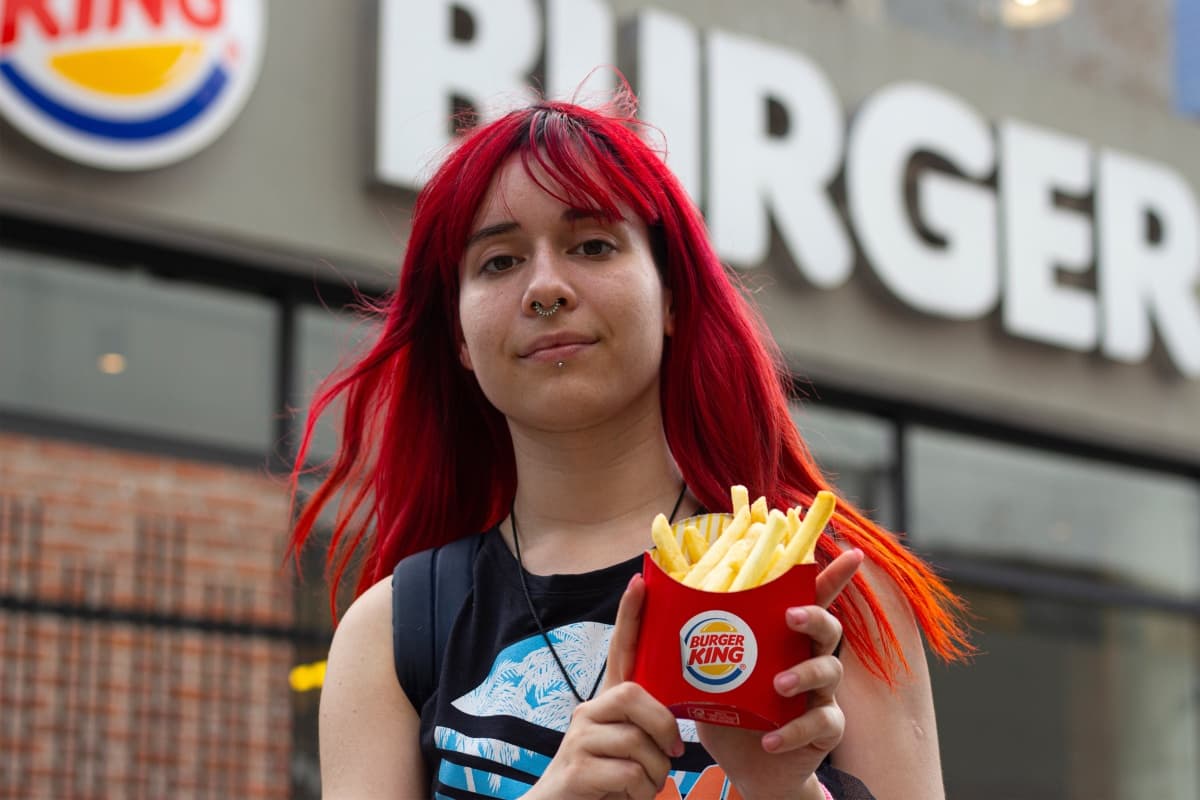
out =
column 135, row 86
column 174, row 118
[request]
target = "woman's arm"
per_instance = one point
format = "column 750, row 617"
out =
column 369, row 730
column 890, row 742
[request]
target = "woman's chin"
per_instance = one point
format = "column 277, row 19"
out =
column 578, row 408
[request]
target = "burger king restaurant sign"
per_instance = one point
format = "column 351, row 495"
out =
column 1107, row 274
column 127, row 84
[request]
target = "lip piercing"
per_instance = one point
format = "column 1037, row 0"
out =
column 562, row 364
column 542, row 311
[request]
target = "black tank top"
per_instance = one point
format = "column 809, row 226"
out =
column 501, row 706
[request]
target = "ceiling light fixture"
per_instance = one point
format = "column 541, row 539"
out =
column 111, row 363
column 1026, row 13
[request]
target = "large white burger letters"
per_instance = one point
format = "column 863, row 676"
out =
column 1005, row 243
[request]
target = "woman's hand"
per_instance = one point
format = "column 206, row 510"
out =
column 781, row 763
column 618, row 745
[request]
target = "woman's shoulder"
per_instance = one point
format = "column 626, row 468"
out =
column 367, row 619
column 362, row 641
column 368, row 728
column 376, row 599
column 891, row 599
column 896, row 719
column 360, row 664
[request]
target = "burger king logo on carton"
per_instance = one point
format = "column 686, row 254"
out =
column 127, row 84
column 718, row 651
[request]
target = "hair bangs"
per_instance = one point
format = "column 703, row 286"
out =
column 578, row 161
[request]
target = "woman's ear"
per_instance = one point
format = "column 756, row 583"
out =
column 464, row 356
column 668, row 313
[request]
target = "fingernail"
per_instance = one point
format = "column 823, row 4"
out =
column 678, row 749
column 785, row 682
column 771, row 742
column 797, row 616
column 631, row 580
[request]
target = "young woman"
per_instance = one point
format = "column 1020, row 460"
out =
column 564, row 358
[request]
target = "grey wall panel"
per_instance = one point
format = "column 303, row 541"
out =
column 290, row 183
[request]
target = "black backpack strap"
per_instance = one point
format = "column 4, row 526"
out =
column 428, row 590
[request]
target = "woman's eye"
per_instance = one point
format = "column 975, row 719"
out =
column 499, row 263
column 595, row 247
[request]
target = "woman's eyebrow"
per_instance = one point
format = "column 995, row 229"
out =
column 576, row 214
column 498, row 229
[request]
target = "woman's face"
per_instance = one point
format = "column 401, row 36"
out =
column 598, row 355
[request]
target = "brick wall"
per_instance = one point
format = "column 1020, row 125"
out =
column 140, row 645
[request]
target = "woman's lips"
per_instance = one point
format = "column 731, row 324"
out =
column 560, row 352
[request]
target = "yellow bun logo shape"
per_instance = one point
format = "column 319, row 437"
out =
column 718, row 651
column 127, row 84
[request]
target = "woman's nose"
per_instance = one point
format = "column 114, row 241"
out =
column 550, row 288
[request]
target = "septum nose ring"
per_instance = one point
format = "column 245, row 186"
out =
column 542, row 311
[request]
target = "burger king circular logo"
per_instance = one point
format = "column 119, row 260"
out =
column 127, row 84
column 718, row 651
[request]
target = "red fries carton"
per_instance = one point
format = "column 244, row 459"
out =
column 713, row 656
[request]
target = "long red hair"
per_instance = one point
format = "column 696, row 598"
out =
column 425, row 459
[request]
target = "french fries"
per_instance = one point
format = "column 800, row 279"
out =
column 671, row 555
column 755, row 547
column 755, row 566
column 733, row 531
column 694, row 544
column 740, row 496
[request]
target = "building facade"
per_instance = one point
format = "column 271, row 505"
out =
column 972, row 226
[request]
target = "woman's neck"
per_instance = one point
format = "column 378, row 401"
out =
column 585, row 499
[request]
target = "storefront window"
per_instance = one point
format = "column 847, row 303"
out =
column 325, row 341
column 857, row 453
column 132, row 352
column 973, row 497
column 1071, row 700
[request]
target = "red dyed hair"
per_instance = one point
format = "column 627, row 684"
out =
column 425, row 459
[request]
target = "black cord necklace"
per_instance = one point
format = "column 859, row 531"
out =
column 538, row 620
